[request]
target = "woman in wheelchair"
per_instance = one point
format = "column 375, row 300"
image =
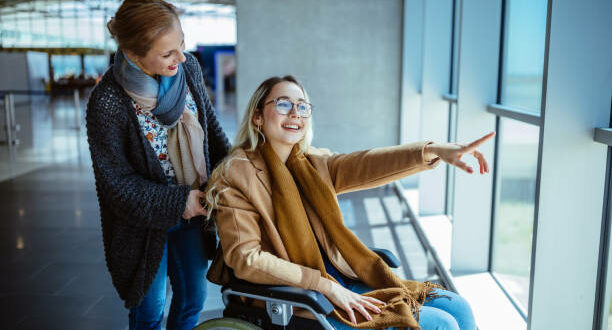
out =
column 279, row 221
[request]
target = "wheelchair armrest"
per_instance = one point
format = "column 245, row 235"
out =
column 388, row 257
column 311, row 298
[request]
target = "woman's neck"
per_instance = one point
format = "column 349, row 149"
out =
column 137, row 63
column 282, row 150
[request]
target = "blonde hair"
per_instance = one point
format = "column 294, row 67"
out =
column 250, row 136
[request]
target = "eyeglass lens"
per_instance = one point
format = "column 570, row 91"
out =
column 284, row 107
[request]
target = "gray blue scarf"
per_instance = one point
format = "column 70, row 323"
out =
column 165, row 99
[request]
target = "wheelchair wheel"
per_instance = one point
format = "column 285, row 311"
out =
column 226, row 323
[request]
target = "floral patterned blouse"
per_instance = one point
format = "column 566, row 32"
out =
column 157, row 135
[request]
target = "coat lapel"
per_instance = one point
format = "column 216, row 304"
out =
column 262, row 173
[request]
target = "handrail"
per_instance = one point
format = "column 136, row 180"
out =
column 603, row 135
column 452, row 98
column 34, row 92
column 515, row 113
column 445, row 275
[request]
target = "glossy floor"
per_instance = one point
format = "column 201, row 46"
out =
column 53, row 274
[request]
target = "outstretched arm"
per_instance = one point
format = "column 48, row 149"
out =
column 375, row 167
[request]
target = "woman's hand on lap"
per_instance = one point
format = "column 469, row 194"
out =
column 349, row 300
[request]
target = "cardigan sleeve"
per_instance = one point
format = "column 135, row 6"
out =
column 240, row 237
column 121, row 189
column 375, row 167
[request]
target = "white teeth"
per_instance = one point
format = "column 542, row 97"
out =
column 291, row 126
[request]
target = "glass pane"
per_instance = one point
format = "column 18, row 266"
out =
column 513, row 227
column 66, row 66
column 609, row 327
column 95, row 65
column 82, row 23
column 524, row 41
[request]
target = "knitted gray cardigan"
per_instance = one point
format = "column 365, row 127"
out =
column 137, row 206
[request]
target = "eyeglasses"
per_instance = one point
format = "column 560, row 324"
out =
column 284, row 107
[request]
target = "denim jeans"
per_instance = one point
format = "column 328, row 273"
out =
column 185, row 262
column 452, row 313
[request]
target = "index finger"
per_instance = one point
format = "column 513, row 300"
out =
column 478, row 142
column 373, row 300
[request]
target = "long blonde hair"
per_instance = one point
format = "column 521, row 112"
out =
column 249, row 136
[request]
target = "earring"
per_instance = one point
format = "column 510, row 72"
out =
column 260, row 132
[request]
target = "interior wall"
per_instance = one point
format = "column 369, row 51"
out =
column 347, row 54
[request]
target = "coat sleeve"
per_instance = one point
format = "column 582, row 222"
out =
column 240, row 236
column 133, row 198
column 375, row 167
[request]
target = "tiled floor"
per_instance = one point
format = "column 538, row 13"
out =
column 53, row 274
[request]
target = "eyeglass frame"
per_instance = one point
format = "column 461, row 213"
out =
column 293, row 106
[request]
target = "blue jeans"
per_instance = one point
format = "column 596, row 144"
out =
column 185, row 262
column 438, row 314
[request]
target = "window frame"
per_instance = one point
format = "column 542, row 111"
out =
column 604, row 275
column 529, row 117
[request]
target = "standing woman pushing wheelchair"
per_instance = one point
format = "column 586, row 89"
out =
column 279, row 222
column 154, row 138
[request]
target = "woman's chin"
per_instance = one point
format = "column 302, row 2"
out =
column 294, row 141
column 168, row 73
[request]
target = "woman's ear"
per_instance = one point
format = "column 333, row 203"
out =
column 257, row 118
column 131, row 56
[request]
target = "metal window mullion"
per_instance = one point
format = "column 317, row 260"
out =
column 495, row 190
column 603, row 287
column 450, row 170
column 536, row 206
column 451, row 97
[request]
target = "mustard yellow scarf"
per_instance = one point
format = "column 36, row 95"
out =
column 403, row 299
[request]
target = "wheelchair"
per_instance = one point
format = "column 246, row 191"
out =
column 279, row 304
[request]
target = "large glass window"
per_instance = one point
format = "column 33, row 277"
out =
column 521, row 75
column 66, row 66
column 82, row 24
column 513, row 228
column 523, row 58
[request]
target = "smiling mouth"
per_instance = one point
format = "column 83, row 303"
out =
column 291, row 127
column 173, row 67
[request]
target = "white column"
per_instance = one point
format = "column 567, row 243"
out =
column 572, row 166
column 412, row 72
column 434, row 110
column 478, row 70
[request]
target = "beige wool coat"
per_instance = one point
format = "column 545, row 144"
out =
column 250, row 241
